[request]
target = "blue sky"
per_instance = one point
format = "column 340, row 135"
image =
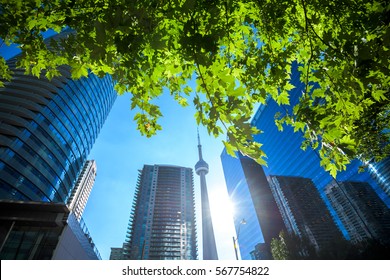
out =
column 120, row 151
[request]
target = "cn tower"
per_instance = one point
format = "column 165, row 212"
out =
column 209, row 247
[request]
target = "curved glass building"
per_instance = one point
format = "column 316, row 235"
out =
column 47, row 129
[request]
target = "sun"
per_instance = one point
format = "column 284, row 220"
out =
column 221, row 209
column 221, row 206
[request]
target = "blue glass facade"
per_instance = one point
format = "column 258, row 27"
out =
column 253, row 201
column 47, row 129
column 381, row 172
column 304, row 212
column 286, row 158
column 250, row 233
column 363, row 213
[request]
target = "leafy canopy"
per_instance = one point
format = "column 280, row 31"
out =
column 239, row 51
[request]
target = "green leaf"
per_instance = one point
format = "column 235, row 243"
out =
column 230, row 149
column 120, row 88
column 187, row 90
column 79, row 70
column 183, row 101
column 379, row 94
column 283, row 98
column 289, row 87
column 299, row 126
column 332, row 170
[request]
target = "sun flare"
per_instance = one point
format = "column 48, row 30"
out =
column 221, row 207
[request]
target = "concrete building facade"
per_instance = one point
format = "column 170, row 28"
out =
column 162, row 223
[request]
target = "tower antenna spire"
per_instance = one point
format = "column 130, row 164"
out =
column 199, row 146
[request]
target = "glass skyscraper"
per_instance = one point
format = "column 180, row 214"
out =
column 162, row 222
column 47, row 129
column 304, row 212
column 286, row 158
column 363, row 213
column 381, row 172
column 253, row 202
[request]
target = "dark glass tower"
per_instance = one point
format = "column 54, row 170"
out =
column 162, row 222
column 47, row 129
column 381, row 172
column 286, row 158
column 362, row 212
column 304, row 212
column 249, row 190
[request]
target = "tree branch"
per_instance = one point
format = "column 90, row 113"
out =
column 208, row 95
column 311, row 46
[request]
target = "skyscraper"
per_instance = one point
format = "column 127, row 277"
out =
column 162, row 222
column 253, row 200
column 116, row 253
column 286, row 158
column 381, row 172
column 283, row 148
column 79, row 197
column 47, row 129
column 360, row 209
column 209, row 246
column 303, row 211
